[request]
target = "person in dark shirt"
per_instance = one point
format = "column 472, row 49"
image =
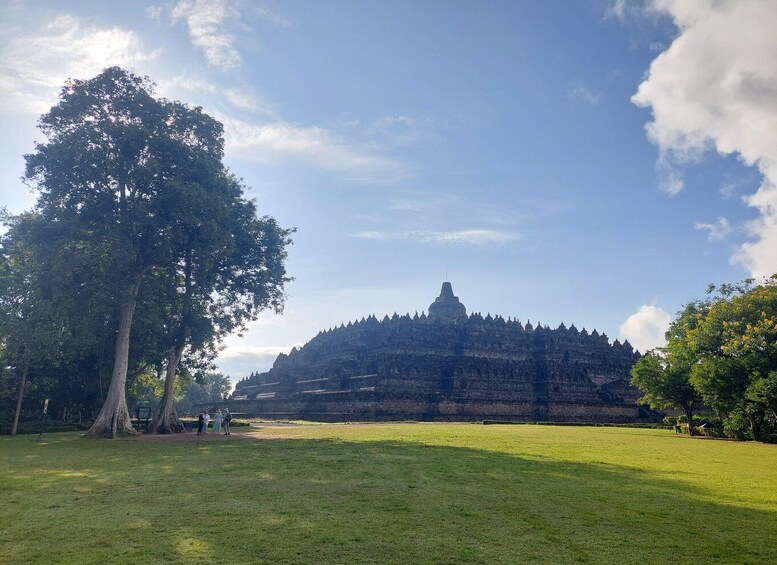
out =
column 201, row 424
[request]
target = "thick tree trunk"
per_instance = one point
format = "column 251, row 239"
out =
column 689, row 415
column 755, row 426
column 114, row 418
column 25, row 368
column 166, row 418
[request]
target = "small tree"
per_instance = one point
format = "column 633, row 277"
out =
column 665, row 384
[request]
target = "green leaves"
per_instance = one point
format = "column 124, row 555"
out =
column 726, row 349
column 664, row 380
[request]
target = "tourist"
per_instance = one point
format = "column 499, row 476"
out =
column 206, row 420
column 217, row 421
column 200, row 424
column 227, row 420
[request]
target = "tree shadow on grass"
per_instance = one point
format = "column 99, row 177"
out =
column 324, row 501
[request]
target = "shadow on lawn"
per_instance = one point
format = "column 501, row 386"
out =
column 309, row 501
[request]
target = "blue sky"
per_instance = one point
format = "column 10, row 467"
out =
column 595, row 163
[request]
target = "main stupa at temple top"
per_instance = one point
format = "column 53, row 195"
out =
column 447, row 307
column 448, row 366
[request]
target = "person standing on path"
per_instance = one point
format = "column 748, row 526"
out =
column 227, row 420
column 217, row 418
column 206, row 420
column 201, row 424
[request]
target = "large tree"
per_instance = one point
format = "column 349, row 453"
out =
column 736, row 343
column 229, row 266
column 113, row 178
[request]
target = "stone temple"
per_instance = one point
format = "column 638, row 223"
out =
column 448, row 366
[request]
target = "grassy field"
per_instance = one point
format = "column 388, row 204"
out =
column 405, row 493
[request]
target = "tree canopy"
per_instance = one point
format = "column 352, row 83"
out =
column 158, row 236
column 723, row 351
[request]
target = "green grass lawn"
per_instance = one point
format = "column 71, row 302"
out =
column 423, row 493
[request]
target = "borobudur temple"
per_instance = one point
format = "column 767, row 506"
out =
column 448, row 366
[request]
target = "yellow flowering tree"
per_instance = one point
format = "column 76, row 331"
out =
column 735, row 341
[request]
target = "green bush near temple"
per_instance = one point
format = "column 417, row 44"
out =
column 390, row 493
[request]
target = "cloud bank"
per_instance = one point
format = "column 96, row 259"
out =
column 36, row 61
column 715, row 88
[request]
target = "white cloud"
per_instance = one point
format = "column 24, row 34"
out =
column 241, row 100
column 718, row 230
column 397, row 130
column 645, row 328
column 616, row 9
column 760, row 256
column 715, row 88
column 211, row 25
column 428, row 204
column 208, row 22
column 626, row 10
column 728, row 188
column 465, row 237
column 36, row 62
column 210, row 93
column 273, row 17
column 312, row 145
column 155, row 13
column 427, row 208
column 414, row 214
column 586, row 95
column 671, row 182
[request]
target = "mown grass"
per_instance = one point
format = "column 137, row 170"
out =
column 425, row 493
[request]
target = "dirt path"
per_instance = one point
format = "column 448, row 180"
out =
column 255, row 433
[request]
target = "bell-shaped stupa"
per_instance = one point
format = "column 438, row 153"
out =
column 446, row 307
